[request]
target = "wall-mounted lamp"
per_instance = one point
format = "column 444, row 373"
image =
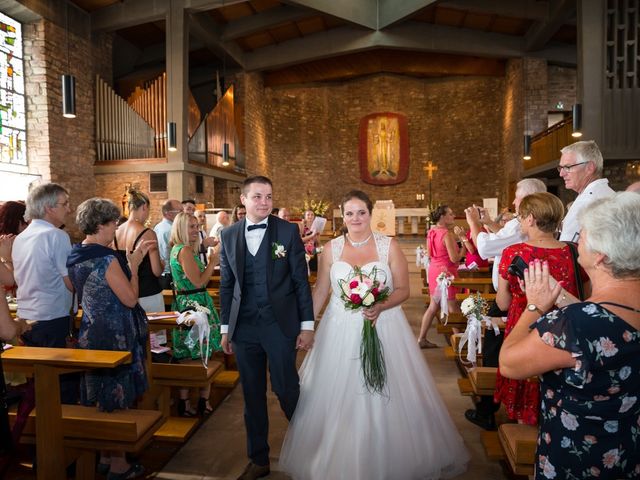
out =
column 225, row 154
column 172, row 136
column 577, row 121
column 527, row 148
column 68, row 96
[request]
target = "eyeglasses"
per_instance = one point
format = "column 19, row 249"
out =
column 62, row 204
column 567, row 168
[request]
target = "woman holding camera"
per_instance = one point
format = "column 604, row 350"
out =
column 540, row 215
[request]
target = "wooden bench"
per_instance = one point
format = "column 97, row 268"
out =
column 163, row 377
column 483, row 380
column 480, row 284
column 75, row 430
column 519, row 443
column 489, row 297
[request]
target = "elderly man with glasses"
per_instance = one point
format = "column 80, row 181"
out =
column 581, row 169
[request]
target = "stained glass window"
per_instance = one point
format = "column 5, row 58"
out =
column 13, row 147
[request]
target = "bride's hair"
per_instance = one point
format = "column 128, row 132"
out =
column 360, row 195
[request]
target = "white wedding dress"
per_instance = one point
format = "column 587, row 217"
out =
column 340, row 431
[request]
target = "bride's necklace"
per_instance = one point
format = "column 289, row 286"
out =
column 359, row 244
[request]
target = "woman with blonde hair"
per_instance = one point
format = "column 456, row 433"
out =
column 190, row 278
column 128, row 236
column 539, row 215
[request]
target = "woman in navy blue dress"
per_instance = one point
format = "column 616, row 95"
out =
column 107, row 287
column 588, row 353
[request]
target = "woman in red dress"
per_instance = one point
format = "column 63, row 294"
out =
column 540, row 216
column 444, row 256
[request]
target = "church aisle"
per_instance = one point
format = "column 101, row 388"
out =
column 217, row 450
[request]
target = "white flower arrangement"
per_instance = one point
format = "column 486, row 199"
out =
column 277, row 251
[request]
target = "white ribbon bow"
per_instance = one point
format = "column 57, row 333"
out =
column 473, row 335
column 199, row 332
column 442, row 291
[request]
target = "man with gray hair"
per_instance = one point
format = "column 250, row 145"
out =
column 580, row 167
column 491, row 245
column 170, row 209
column 40, row 267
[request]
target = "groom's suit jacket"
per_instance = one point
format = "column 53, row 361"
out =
column 287, row 282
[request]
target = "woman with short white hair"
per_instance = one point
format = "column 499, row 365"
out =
column 588, row 353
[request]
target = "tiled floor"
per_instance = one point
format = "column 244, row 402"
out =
column 217, row 450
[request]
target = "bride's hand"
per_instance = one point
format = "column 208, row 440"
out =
column 372, row 313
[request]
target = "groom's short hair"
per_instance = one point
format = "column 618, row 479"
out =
column 255, row 179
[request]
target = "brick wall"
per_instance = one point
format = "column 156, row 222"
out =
column 310, row 136
column 561, row 86
column 512, row 130
column 536, row 102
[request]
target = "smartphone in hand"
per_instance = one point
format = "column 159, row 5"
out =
column 517, row 267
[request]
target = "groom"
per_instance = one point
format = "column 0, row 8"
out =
column 266, row 312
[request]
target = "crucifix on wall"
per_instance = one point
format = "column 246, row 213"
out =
column 430, row 168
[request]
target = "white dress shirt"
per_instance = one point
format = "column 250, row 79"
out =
column 255, row 236
column 492, row 244
column 597, row 189
column 40, row 265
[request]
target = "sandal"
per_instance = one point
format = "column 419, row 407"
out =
column 204, row 409
column 426, row 344
column 183, row 411
column 136, row 470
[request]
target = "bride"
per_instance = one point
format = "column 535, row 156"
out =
column 340, row 430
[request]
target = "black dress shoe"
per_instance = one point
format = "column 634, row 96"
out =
column 253, row 471
column 488, row 423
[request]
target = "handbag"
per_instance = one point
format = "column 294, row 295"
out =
column 576, row 268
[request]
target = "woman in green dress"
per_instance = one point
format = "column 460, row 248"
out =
column 190, row 278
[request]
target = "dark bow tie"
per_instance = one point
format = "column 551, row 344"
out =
column 258, row 225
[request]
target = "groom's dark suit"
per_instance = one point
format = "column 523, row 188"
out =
column 263, row 300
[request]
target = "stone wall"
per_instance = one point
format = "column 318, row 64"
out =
column 561, row 86
column 310, row 136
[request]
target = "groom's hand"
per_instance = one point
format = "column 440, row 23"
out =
column 226, row 344
column 305, row 340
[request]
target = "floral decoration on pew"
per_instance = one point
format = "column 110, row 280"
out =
column 442, row 293
column 475, row 308
column 363, row 290
column 197, row 317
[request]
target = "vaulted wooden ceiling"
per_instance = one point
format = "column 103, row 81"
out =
column 298, row 41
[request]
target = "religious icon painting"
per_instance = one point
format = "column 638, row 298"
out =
column 384, row 148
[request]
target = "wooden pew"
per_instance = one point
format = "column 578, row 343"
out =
column 483, row 380
column 188, row 373
column 77, row 427
column 483, row 285
column 519, row 443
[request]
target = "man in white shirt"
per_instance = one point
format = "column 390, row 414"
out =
column 170, row 209
column 581, row 169
column 39, row 258
column 492, row 245
column 40, row 267
column 222, row 221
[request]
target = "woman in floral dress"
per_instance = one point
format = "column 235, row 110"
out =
column 587, row 352
column 540, row 216
column 190, row 279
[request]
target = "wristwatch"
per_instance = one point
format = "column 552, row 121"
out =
column 533, row 308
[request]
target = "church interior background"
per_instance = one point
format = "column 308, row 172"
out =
column 275, row 88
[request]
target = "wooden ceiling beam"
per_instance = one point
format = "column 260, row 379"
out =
column 415, row 36
column 264, row 20
column 128, row 13
column 209, row 33
column 359, row 12
column 393, row 11
column 541, row 32
column 529, row 9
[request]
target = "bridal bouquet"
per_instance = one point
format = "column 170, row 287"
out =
column 475, row 308
column 362, row 290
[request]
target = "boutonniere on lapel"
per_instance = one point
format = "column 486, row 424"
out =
column 277, row 251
